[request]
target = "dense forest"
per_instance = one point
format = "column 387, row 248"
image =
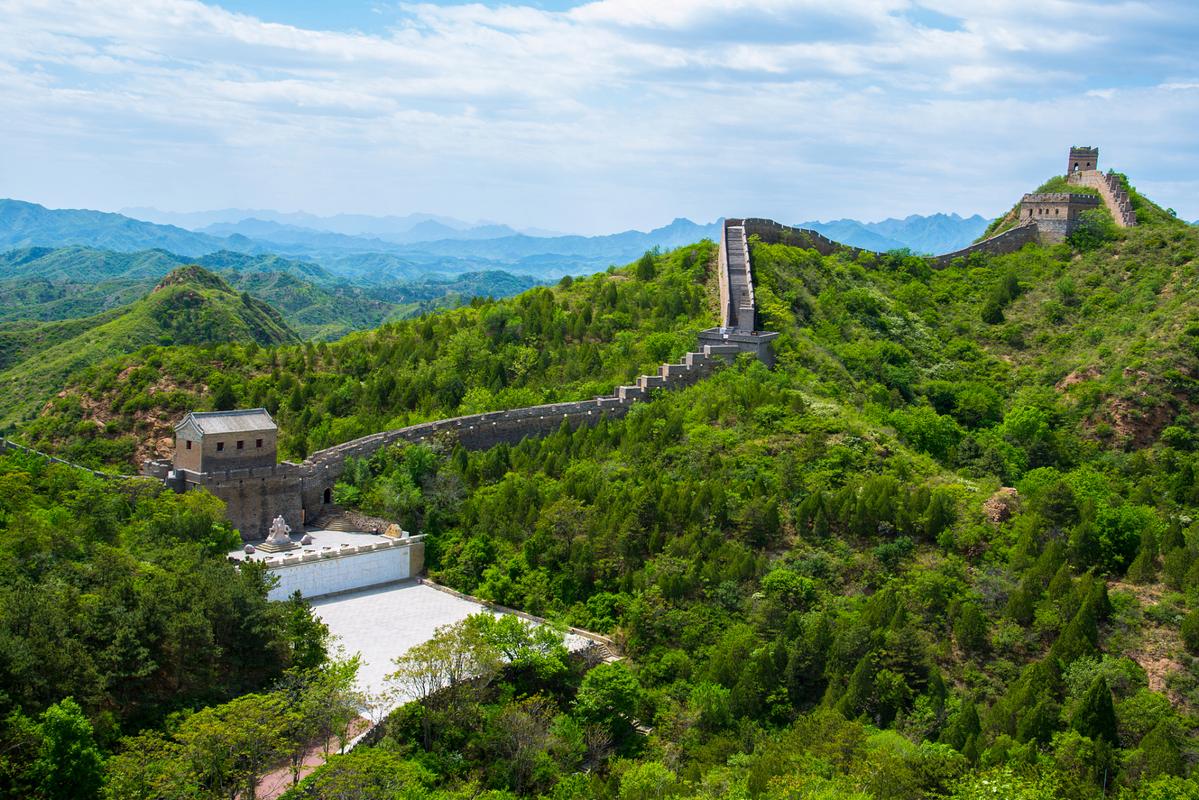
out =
column 947, row 548
column 575, row 340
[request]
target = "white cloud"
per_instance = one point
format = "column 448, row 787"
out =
column 614, row 113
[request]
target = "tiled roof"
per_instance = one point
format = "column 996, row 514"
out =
column 239, row 421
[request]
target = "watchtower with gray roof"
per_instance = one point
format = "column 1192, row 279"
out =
column 208, row 441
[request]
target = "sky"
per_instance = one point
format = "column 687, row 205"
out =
column 592, row 117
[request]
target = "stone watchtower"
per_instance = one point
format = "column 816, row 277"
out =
column 1082, row 159
column 207, row 441
column 1055, row 214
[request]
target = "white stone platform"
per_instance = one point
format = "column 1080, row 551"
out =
column 383, row 623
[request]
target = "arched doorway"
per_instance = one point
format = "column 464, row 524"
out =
column 328, row 496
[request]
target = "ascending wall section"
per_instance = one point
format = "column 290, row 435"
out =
column 771, row 232
column 348, row 569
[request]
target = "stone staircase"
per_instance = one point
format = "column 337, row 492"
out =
column 606, row 654
column 1112, row 192
column 741, row 292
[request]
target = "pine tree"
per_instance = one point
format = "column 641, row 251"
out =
column 1190, row 631
column 963, row 727
column 1079, row 637
column 1096, row 716
column 970, row 628
column 1144, row 567
column 1160, row 754
column 860, row 691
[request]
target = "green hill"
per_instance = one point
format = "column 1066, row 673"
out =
column 189, row 306
column 580, row 338
column 49, row 284
column 945, row 549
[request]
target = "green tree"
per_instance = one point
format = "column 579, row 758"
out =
column 69, row 765
column 366, row 773
column 1159, row 753
column 1096, row 715
column 609, row 697
column 307, row 636
column 970, row 628
column 1190, row 631
column 229, row 746
column 647, row 780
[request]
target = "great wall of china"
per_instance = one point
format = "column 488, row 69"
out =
column 302, row 492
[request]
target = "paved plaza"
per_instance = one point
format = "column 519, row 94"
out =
column 384, row 622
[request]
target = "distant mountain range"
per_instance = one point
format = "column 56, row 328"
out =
column 374, row 250
column 934, row 234
column 351, row 256
column 410, row 228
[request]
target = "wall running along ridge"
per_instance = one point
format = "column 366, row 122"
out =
column 772, row 232
column 1112, row 191
column 301, row 493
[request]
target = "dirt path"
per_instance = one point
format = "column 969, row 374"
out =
column 278, row 781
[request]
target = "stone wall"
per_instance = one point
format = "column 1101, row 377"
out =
column 772, row 232
column 253, row 497
column 1009, row 241
column 1055, row 214
column 1113, row 193
column 1082, row 159
column 301, row 492
column 8, row 444
column 348, row 569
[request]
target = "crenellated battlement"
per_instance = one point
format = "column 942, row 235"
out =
column 300, row 492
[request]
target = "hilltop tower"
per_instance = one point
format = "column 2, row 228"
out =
column 1082, row 159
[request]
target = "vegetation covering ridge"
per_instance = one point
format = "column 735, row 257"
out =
column 909, row 563
column 50, row 284
column 576, row 340
column 189, row 306
column 946, row 549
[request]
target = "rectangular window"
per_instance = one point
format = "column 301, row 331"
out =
column 189, row 444
column 240, row 444
column 220, row 446
column 258, row 443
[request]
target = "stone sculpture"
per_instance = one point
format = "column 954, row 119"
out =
column 278, row 539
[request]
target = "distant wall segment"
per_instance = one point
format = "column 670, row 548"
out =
column 771, row 232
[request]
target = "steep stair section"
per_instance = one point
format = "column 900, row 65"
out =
column 741, row 308
column 1112, row 192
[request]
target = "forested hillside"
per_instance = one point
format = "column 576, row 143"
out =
column 577, row 339
column 188, row 306
column 51, row 284
column 947, row 548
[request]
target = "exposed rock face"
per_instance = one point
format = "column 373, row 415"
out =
column 1000, row 506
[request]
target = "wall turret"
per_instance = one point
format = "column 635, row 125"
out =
column 1082, row 159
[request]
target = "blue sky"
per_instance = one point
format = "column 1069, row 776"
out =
column 592, row 116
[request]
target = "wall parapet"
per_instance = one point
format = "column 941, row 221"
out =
column 1114, row 195
column 299, row 492
column 1009, row 241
